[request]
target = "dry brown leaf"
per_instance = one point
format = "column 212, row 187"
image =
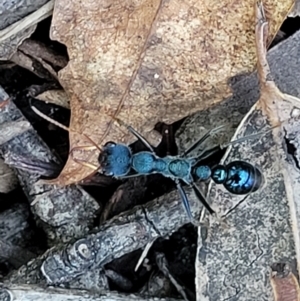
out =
column 57, row 97
column 149, row 61
column 284, row 283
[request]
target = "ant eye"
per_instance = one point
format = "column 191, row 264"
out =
column 105, row 172
column 110, row 144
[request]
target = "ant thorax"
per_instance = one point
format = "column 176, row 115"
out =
column 169, row 166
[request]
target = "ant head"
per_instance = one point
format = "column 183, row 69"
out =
column 115, row 159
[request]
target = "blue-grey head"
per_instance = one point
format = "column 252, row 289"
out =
column 115, row 159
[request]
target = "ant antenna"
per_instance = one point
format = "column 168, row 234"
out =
column 207, row 153
column 42, row 115
column 253, row 136
column 93, row 142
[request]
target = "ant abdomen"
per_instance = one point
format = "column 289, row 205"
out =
column 238, row 177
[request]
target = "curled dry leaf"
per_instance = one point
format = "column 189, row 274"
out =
column 263, row 226
column 148, row 61
column 57, row 97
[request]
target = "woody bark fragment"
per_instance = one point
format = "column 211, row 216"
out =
column 66, row 220
column 123, row 234
column 34, row 292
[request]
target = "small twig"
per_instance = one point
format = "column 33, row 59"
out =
column 163, row 266
column 34, row 292
column 42, row 115
column 47, row 66
column 27, row 62
column 12, row 129
column 32, row 165
column 38, row 49
column 32, row 19
column 144, row 254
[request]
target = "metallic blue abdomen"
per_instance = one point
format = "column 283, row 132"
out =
column 238, row 177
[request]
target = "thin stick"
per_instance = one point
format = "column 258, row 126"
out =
column 144, row 254
column 38, row 112
column 30, row 20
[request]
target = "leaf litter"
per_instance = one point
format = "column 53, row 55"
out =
column 149, row 61
column 236, row 261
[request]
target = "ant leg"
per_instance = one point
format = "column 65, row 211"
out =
column 129, row 176
column 141, row 138
column 184, row 199
column 202, row 139
column 202, row 198
column 207, row 153
column 136, row 134
column 186, row 204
